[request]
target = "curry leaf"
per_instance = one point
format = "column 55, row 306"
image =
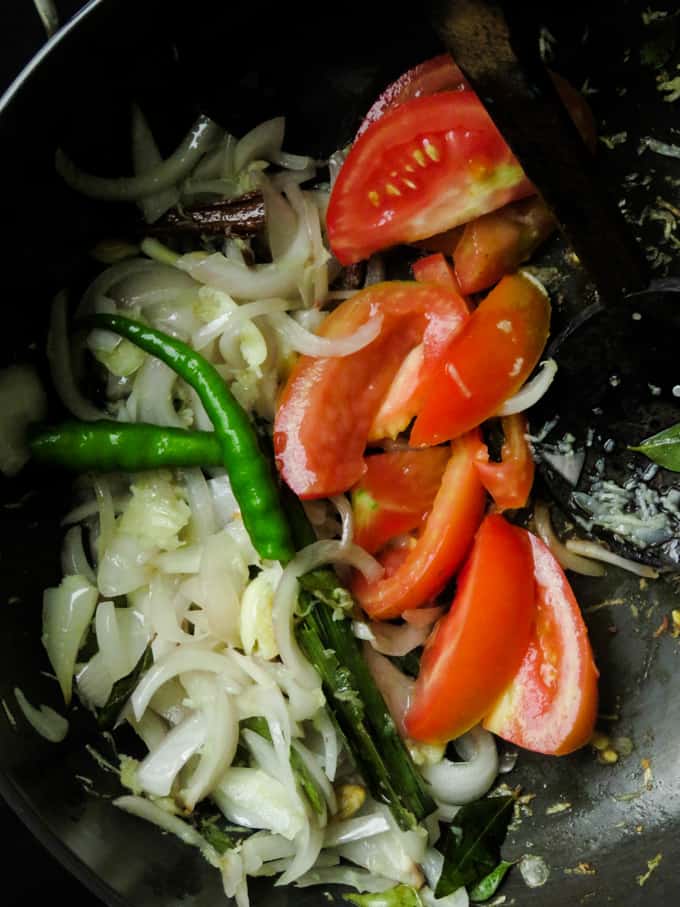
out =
column 663, row 448
column 488, row 886
column 399, row 896
column 472, row 846
column 122, row 690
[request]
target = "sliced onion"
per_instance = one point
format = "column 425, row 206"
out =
column 179, row 661
column 359, row 879
column 278, row 278
column 599, row 553
column 61, row 367
column 331, row 743
column 568, row 559
column 145, row 159
column 316, row 771
column 396, row 688
column 145, row 809
column 355, row 829
column 234, row 319
column 309, row 344
column 308, row 846
column 532, row 391
column 44, row 720
column 261, row 143
column 219, row 747
column 423, row 617
column 74, row 561
column 132, row 188
column 285, row 597
column 463, row 782
column 67, row 612
column 151, row 399
column 346, row 516
column 398, row 639
column 158, row 770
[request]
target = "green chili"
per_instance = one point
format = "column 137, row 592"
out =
column 129, row 446
column 251, row 478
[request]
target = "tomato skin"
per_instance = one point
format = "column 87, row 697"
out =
column 497, row 243
column 441, row 547
column 465, row 388
column 404, row 398
column 481, row 641
column 328, row 404
column 395, row 494
column 435, row 75
column 550, row 706
column 509, row 482
column 410, row 175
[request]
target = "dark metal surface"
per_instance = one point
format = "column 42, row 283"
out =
column 595, row 826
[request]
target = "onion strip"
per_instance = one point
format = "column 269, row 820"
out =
column 303, row 341
column 568, row 559
column 600, row 553
column 133, row 188
column 532, row 391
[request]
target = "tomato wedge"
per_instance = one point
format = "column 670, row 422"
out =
column 442, row 545
column 395, row 494
column 438, row 74
column 509, row 482
column 404, row 398
column 427, row 165
column 486, row 362
column 481, row 641
column 497, row 243
column 328, row 404
column 551, row 704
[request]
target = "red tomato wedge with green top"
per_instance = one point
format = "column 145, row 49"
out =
column 427, row 165
column 509, row 482
column 486, row 362
column 442, row 545
column 395, row 494
column 404, row 398
column 328, row 404
column 480, row 642
column 550, row 706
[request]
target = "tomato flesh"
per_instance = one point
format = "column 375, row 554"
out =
column 328, row 404
column 424, row 167
column 486, row 362
column 395, row 494
column 495, row 244
column 550, row 706
column 479, row 644
column 404, row 398
column 441, row 546
column 509, row 482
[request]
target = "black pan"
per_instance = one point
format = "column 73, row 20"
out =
column 600, row 829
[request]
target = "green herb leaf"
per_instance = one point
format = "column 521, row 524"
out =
column 221, row 835
column 472, row 846
column 324, row 586
column 400, row 896
column 488, row 886
column 663, row 448
column 122, row 690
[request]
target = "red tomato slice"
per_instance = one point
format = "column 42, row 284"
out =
column 481, row 641
column 509, row 482
column 404, row 399
column 486, row 362
column 427, row 165
column 497, row 243
column 551, row 704
column 435, row 75
column 328, row 404
column 395, row 494
column 439, row 551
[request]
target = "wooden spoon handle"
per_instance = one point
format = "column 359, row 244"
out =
column 497, row 48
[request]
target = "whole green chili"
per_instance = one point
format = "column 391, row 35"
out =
column 251, row 478
column 129, row 446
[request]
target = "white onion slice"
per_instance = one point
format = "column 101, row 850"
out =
column 423, row 617
column 398, row 639
column 532, row 391
column 396, row 688
column 61, row 367
column 132, row 188
column 285, row 597
column 145, row 809
column 355, row 829
column 599, row 553
column 463, row 782
column 568, row 559
column 158, row 770
column 261, row 143
column 309, row 344
column 234, row 319
column 346, row 516
column 145, row 158
column 44, row 720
